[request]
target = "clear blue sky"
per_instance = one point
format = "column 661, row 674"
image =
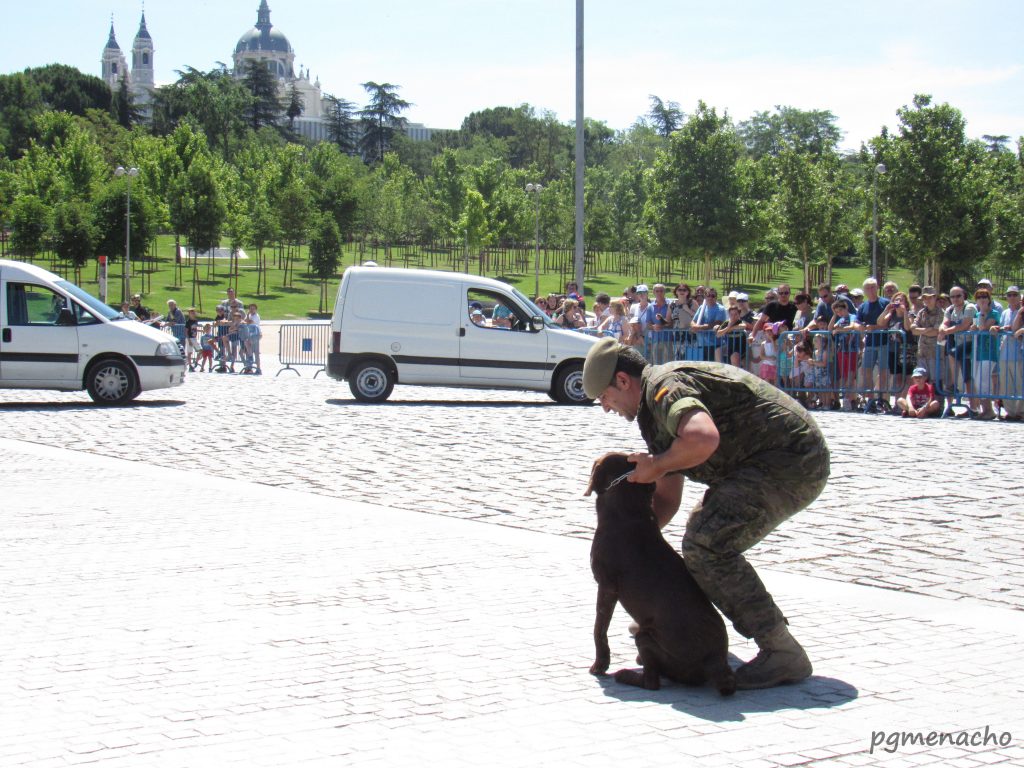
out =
column 863, row 60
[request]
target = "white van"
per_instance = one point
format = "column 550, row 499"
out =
column 414, row 326
column 54, row 335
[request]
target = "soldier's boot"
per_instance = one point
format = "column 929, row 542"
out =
column 780, row 660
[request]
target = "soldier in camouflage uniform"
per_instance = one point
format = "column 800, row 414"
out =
column 760, row 454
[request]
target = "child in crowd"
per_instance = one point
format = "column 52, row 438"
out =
column 803, row 373
column 206, row 356
column 847, row 347
column 920, row 401
column 769, row 356
column 821, row 381
column 616, row 324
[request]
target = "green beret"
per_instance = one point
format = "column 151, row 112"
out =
column 599, row 367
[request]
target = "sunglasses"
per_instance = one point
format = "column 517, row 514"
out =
column 783, row 293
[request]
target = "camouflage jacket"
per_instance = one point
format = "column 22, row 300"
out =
column 757, row 423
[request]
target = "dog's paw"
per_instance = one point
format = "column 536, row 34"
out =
column 599, row 667
column 637, row 678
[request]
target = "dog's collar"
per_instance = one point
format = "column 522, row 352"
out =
column 618, row 480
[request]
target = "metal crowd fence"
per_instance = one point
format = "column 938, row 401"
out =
column 831, row 368
column 303, row 344
column 981, row 365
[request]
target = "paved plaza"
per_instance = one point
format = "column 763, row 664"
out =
column 261, row 571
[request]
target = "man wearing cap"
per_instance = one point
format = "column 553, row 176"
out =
column 762, row 457
column 925, row 327
column 920, row 400
column 641, row 314
column 141, row 313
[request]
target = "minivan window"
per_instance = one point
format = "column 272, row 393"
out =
column 29, row 304
column 96, row 306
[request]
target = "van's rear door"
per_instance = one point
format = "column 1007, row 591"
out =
column 33, row 347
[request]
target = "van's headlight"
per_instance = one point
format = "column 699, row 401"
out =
column 168, row 349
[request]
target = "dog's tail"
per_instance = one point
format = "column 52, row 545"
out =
column 720, row 674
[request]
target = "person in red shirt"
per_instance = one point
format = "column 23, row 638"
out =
column 920, row 401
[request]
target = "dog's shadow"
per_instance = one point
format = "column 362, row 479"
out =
column 816, row 692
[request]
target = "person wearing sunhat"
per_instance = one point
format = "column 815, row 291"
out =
column 762, row 457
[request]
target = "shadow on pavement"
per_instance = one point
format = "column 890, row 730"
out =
column 447, row 403
column 815, row 692
column 86, row 406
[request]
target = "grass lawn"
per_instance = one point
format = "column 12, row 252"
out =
column 159, row 281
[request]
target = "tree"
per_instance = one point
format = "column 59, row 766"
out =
column 697, row 190
column 381, row 119
column 447, row 190
column 28, row 224
column 123, row 105
column 811, row 132
column 295, row 107
column 341, row 124
column 74, row 234
column 109, row 212
column 803, row 200
column 215, row 102
column 324, row 254
column 198, row 209
column 666, row 118
column 265, row 108
column 930, row 160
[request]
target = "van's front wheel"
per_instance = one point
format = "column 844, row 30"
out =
column 112, row 382
column 568, row 387
column 371, row 381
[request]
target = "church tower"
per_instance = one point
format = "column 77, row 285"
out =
column 113, row 62
column 142, row 64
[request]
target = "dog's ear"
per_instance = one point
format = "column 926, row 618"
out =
column 593, row 476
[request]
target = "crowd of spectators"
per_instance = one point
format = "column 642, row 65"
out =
column 231, row 337
column 871, row 348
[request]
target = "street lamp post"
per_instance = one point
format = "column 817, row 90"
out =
column 535, row 190
column 126, row 285
column 880, row 168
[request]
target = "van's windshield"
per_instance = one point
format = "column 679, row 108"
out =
column 537, row 311
column 95, row 305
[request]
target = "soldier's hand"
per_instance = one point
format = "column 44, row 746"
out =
column 645, row 471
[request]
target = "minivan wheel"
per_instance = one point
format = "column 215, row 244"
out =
column 568, row 388
column 371, row 381
column 112, row 382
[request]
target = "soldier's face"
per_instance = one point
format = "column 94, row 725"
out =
column 622, row 396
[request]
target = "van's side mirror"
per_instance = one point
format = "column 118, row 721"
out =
column 66, row 317
column 536, row 324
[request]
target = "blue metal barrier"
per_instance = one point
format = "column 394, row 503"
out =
column 303, row 344
column 981, row 365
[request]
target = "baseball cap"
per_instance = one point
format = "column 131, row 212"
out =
column 985, row 281
column 856, row 292
column 742, row 297
column 929, row 290
column 642, row 288
column 599, row 366
column 1013, row 289
column 920, row 372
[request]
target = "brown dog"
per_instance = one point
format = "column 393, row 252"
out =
column 681, row 635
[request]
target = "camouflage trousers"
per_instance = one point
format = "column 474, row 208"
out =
column 736, row 513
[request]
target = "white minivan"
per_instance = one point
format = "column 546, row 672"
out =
column 415, row 326
column 54, row 335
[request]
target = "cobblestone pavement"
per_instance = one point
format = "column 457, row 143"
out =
column 932, row 508
column 180, row 617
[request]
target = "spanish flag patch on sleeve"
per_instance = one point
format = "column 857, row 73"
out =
column 661, row 393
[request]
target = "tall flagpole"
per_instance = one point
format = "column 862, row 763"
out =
column 579, row 145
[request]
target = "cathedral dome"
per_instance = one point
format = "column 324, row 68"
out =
column 263, row 40
column 263, row 37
